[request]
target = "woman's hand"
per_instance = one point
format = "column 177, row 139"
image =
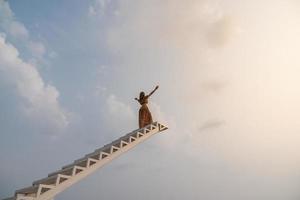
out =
column 153, row 91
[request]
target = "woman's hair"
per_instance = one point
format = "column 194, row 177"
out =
column 142, row 95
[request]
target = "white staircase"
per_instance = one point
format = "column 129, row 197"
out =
column 56, row 182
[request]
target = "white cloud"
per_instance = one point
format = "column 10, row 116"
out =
column 38, row 49
column 98, row 7
column 53, row 55
column 92, row 11
column 17, row 30
column 119, row 110
column 117, row 115
column 212, row 70
column 40, row 100
column 10, row 24
column 160, row 116
column 173, row 24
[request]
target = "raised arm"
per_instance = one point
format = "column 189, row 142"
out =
column 153, row 91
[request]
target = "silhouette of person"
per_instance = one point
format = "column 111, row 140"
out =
column 145, row 117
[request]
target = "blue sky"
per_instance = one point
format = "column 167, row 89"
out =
column 229, row 91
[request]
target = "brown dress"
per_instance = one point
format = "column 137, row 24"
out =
column 145, row 117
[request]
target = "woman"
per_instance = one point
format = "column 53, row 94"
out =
column 145, row 117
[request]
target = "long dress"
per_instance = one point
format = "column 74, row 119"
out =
column 145, row 117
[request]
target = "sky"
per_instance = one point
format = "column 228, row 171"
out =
column 229, row 92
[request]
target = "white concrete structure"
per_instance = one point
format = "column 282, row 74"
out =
column 56, row 182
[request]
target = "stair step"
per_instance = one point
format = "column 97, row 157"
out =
column 139, row 134
column 162, row 127
column 52, row 180
column 105, row 149
column 25, row 198
column 132, row 139
column 86, row 162
column 21, row 197
column 34, row 191
column 124, row 143
column 10, row 198
column 147, row 129
column 71, row 171
column 96, row 155
column 114, row 148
